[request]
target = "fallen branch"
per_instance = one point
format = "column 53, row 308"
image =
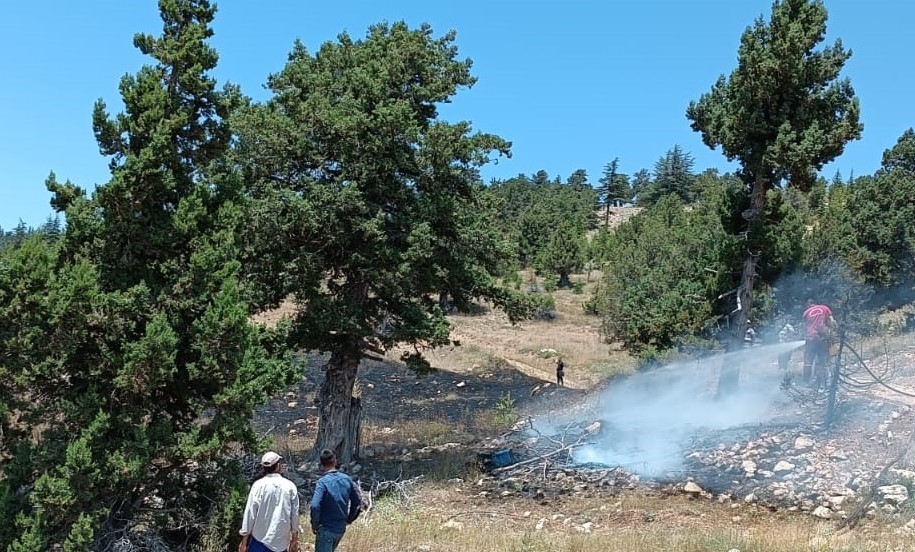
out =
column 566, row 448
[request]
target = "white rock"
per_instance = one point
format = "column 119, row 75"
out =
column 749, row 467
column 292, row 404
column 894, row 494
column 554, row 517
column 452, row 524
column 585, row 527
column 783, row 467
column 822, row 512
column 593, row 429
column 692, row 488
column 460, row 384
column 904, row 474
column 540, row 524
column 803, row 443
column 837, row 501
column 750, row 498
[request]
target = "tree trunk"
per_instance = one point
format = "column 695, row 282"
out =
column 564, row 280
column 832, row 388
column 341, row 413
column 730, row 370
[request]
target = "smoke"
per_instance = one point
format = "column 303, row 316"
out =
column 650, row 418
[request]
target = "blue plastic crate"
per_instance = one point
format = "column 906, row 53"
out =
column 502, row 458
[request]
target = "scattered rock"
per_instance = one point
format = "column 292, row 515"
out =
column 540, row 524
column 460, row 384
column 452, row 524
column 803, row 443
column 692, row 488
column 783, row 467
column 749, row 467
column 751, row 498
column 893, row 494
column 822, row 512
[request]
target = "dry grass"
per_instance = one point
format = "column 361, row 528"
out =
column 532, row 346
column 626, row 523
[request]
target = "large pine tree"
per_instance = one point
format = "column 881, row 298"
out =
column 374, row 196
column 782, row 114
column 137, row 366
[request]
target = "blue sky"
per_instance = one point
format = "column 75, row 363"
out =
column 572, row 83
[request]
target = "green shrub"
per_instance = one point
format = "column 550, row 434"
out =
column 506, row 411
column 544, row 306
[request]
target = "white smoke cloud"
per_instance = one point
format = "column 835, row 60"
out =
column 651, row 416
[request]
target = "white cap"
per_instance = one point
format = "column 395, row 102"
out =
column 270, row 458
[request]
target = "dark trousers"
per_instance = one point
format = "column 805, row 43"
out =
column 255, row 545
column 816, row 353
column 784, row 360
column 327, row 541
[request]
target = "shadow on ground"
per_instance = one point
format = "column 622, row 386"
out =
column 393, row 394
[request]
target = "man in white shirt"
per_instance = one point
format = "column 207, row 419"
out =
column 271, row 520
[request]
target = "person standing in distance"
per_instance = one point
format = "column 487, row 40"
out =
column 271, row 519
column 818, row 321
column 560, row 372
column 335, row 504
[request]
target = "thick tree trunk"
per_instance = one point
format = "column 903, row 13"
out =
column 730, row 370
column 341, row 413
column 564, row 280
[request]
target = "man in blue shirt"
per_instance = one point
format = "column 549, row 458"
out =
column 336, row 504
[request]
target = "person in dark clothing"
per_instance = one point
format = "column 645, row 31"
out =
column 560, row 372
column 335, row 504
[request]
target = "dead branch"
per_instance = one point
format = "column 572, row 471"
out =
column 475, row 513
column 567, row 448
column 379, row 489
column 877, row 379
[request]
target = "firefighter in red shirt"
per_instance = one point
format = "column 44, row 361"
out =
column 818, row 322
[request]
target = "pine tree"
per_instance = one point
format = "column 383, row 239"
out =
column 350, row 162
column 782, row 113
column 137, row 353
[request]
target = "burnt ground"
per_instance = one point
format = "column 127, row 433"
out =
column 393, row 394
